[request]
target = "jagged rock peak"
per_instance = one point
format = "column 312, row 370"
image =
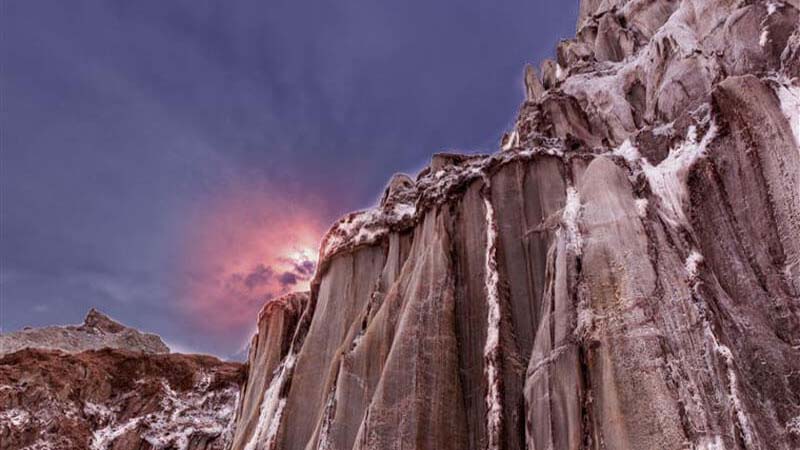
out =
column 97, row 331
column 97, row 320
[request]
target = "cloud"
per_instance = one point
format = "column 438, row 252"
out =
column 260, row 276
column 288, row 279
column 250, row 245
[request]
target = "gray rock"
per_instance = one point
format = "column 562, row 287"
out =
column 97, row 331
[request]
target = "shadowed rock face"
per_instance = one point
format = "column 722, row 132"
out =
column 625, row 274
column 116, row 399
column 97, row 331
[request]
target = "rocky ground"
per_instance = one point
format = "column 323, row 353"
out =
column 135, row 396
column 623, row 274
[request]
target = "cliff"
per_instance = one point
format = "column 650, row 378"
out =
column 623, row 274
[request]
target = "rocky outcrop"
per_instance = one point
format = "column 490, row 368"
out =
column 277, row 323
column 625, row 274
column 97, row 331
column 114, row 399
column 104, row 386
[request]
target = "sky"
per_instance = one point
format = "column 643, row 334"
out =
column 175, row 164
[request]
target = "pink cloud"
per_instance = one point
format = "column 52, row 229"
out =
column 242, row 249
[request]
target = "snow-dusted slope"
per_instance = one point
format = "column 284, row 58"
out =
column 623, row 274
column 116, row 399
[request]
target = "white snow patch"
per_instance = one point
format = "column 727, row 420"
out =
column 789, row 96
column 40, row 445
column 103, row 438
column 692, row 263
column 764, row 38
column 714, row 443
column 641, row 207
column 324, row 440
column 772, row 7
column 733, row 387
column 668, row 179
column 585, row 320
column 194, row 412
column 512, row 141
column 100, row 412
column 560, row 72
column 405, row 210
column 627, row 151
column 491, row 350
column 793, row 426
column 570, row 215
column 272, row 406
column 15, row 417
column 664, row 130
column 197, row 411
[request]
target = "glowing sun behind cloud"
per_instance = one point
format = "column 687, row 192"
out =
column 241, row 250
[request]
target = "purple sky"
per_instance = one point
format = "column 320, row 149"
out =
column 147, row 144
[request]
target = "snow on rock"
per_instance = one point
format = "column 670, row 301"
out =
column 733, row 388
column 692, row 264
column 570, row 217
column 764, row 37
column 664, row 130
column 668, row 179
column 14, row 417
column 491, row 350
column 628, row 151
column 641, row 207
column 197, row 412
column 712, row 443
column 272, row 406
column 104, row 438
column 405, row 205
column 111, row 398
column 789, row 96
column 793, row 426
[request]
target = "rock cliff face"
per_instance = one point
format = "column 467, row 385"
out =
column 125, row 393
column 97, row 331
column 624, row 274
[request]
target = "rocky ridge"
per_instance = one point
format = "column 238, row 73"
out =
column 623, row 274
column 104, row 386
column 97, row 331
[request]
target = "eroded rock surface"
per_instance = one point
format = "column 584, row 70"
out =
column 624, row 274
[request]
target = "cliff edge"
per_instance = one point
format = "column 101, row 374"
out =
column 623, row 274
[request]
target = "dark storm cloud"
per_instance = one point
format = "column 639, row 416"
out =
column 304, row 268
column 260, row 276
column 288, row 279
column 120, row 118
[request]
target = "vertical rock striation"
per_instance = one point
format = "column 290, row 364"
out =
column 624, row 274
